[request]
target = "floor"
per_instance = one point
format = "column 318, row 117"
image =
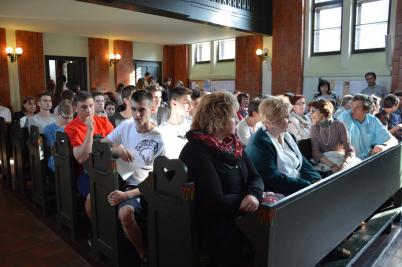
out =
column 25, row 241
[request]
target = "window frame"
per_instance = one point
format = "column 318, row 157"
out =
column 195, row 54
column 314, row 7
column 354, row 15
column 229, row 59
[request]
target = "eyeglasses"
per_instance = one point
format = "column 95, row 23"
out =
column 313, row 110
column 66, row 117
column 300, row 104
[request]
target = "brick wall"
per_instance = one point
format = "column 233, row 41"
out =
column 31, row 70
column 125, row 67
column 4, row 84
column 175, row 63
column 248, row 64
column 98, row 50
column 397, row 55
column 287, row 46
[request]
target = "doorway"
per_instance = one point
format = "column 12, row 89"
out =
column 73, row 68
column 153, row 67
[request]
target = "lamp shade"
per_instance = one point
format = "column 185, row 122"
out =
column 18, row 50
column 9, row 50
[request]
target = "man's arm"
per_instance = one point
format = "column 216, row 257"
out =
column 81, row 153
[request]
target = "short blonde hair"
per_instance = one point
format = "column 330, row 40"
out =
column 214, row 110
column 274, row 109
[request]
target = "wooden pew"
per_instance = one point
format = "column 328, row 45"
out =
column 43, row 195
column 21, row 176
column 5, row 151
column 171, row 219
column 67, row 197
column 108, row 237
column 304, row 227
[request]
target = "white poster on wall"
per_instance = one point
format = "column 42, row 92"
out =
column 223, row 85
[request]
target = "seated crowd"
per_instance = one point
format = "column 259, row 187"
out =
column 235, row 149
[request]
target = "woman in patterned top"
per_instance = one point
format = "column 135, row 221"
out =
column 299, row 124
column 330, row 143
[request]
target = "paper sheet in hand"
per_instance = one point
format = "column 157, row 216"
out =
column 125, row 169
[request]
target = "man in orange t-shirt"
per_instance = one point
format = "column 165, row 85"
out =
column 81, row 132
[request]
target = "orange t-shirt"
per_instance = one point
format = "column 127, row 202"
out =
column 76, row 129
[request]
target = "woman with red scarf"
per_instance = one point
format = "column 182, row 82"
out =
column 227, row 184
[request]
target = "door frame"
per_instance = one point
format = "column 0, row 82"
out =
column 84, row 86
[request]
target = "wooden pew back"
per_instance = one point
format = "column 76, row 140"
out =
column 171, row 219
column 42, row 188
column 21, row 175
column 5, row 151
column 65, row 180
column 107, row 231
column 302, row 228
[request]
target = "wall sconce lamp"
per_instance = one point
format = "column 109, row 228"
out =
column 263, row 54
column 14, row 56
column 114, row 58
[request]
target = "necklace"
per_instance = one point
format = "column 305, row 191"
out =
column 329, row 135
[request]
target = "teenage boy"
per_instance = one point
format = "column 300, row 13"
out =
column 64, row 115
column 159, row 112
column 124, row 115
column 99, row 100
column 43, row 118
column 175, row 128
column 81, row 132
column 137, row 144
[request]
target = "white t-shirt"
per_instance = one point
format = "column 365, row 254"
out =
column 244, row 132
column 40, row 121
column 5, row 113
column 174, row 137
column 144, row 147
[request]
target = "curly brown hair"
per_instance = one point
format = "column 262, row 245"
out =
column 324, row 106
column 214, row 111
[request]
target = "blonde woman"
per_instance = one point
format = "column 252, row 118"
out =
column 275, row 153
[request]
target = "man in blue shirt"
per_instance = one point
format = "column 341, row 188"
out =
column 368, row 136
column 64, row 116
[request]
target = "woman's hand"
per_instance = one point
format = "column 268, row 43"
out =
column 336, row 168
column 116, row 197
column 249, row 204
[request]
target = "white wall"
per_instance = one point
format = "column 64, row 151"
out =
column 13, row 73
column 267, row 67
column 149, row 52
column 64, row 45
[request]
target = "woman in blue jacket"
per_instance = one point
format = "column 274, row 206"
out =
column 275, row 153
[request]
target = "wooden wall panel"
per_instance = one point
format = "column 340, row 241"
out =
column 287, row 46
column 31, row 65
column 125, row 67
column 248, row 65
column 175, row 63
column 4, row 80
column 98, row 50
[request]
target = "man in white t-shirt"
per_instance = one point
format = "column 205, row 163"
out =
column 43, row 118
column 137, row 143
column 175, row 128
column 249, row 125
